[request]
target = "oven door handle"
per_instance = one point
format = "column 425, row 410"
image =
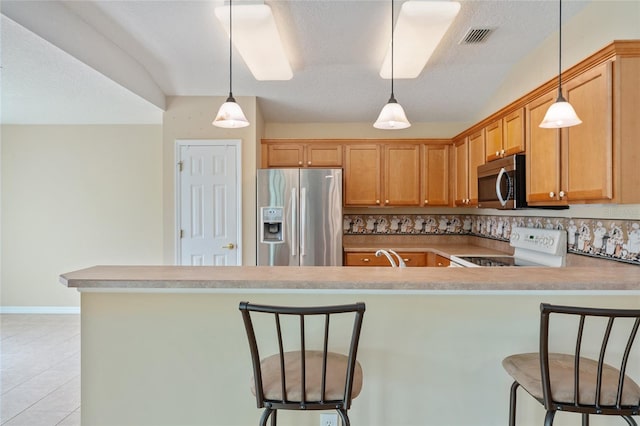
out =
column 503, row 202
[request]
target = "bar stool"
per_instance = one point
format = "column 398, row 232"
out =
column 324, row 378
column 573, row 382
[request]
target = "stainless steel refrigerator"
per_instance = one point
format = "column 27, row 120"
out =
column 299, row 217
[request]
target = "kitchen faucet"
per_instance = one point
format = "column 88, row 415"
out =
column 393, row 263
column 386, row 253
column 400, row 261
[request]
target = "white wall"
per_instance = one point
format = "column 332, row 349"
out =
column 73, row 197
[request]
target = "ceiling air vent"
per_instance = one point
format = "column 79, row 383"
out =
column 475, row 35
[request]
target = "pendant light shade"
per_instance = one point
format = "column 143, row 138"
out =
column 560, row 114
column 392, row 116
column 230, row 115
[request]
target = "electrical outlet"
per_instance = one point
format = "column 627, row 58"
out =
column 328, row 419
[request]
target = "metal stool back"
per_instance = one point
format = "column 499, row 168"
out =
column 287, row 380
column 574, row 382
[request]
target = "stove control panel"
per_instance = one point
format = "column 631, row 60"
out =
column 550, row 241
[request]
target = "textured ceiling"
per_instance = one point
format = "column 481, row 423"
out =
column 114, row 61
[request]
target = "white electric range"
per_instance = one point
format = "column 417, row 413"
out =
column 533, row 247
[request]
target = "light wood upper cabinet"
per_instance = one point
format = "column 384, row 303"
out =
column 461, row 172
column 543, row 155
column 468, row 153
column 593, row 161
column 505, row 136
column 362, row 175
column 382, row 175
column 401, row 179
column 301, row 154
column 476, row 154
column 435, row 168
column 323, row 155
column 587, row 149
column 285, row 155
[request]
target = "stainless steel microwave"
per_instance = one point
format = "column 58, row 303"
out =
column 502, row 183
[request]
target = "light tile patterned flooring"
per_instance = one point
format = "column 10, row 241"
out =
column 40, row 370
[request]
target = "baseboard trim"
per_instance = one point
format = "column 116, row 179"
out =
column 39, row 309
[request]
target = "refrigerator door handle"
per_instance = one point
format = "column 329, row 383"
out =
column 294, row 221
column 303, row 220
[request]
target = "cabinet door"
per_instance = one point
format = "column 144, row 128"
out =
column 513, row 132
column 437, row 260
column 323, row 155
column 285, row 155
column 543, row 155
column 587, row 156
column 362, row 175
column 476, row 154
column 365, row 259
column 414, row 259
column 401, row 175
column 461, row 195
column 493, row 140
column 435, row 167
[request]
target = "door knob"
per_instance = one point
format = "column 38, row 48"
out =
column 229, row 246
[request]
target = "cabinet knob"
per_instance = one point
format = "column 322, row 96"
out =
column 440, row 264
column 406, row 260
column 426, row 201
column 502, row 152
column 561, row 194
column 299, row 163
column 365, row 259
column 386, row 201
column 497, row 153
column 377, row 201
column 552, row 194
column 309, row 162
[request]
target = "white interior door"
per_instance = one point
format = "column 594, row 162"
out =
column 208, row 192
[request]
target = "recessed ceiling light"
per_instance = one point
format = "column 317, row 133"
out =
column 258, row 41
column 418, row 31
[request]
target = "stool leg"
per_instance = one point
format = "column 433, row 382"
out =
column 630, row 420
column 548, row 418
column 274, row 418
column 265, row 416
column 512, row 404
column 585, row 419
column 343, row 416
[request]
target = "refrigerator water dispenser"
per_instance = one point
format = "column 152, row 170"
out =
column 271, row 225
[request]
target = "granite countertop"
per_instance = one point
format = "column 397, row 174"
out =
column 369, row 279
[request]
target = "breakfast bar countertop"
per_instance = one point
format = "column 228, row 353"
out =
column 354, row 279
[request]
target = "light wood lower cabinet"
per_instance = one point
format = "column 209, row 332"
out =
column 437, row 261
column 370, row 259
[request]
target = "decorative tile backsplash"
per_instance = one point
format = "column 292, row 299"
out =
column 616, row 239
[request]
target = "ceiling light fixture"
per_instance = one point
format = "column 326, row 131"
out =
column 258, row 41
column 392, row 116
column 420, row 27
column 230, row 114
column 560, row 114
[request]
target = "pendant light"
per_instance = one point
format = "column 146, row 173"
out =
column 392, row 115
column 230, row 114
column 560, row 114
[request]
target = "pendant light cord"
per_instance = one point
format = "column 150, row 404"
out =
column 560, row 97
column 230, row 49
column 392, row 97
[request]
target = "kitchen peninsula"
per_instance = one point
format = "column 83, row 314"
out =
column 165, row 345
